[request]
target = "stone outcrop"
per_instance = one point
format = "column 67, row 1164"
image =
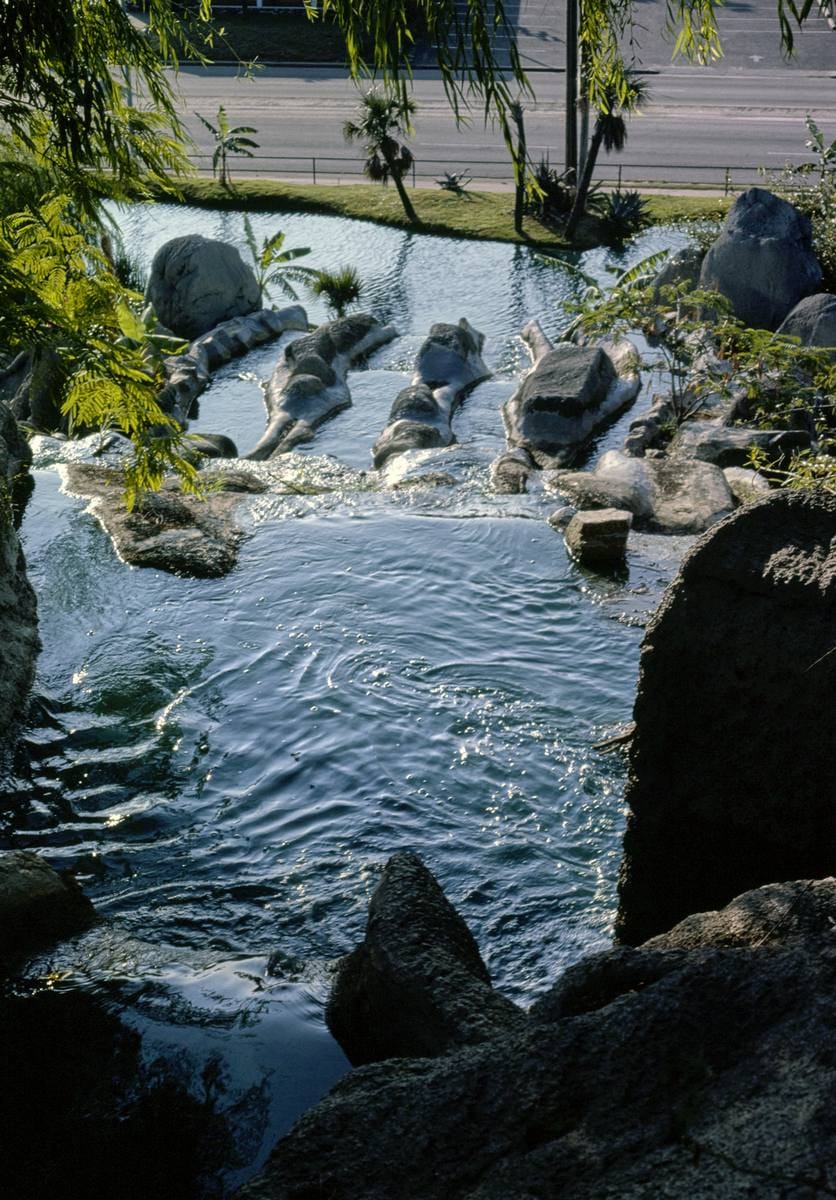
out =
column 731, row 765
column 416, row 985
column 188, row 374
column 37, row 904
column 664, row 495
column 763, row 260
column 19, row 641
column 569, row 394
column 598, row 538
column 448, row 365
column 813, row 322
column 197, row 283
column 729, row 445
column 309, row 385
column 702, row 1064
column 169, row 529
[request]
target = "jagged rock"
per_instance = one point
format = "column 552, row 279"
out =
column 702, row 1065
column 731, row 764
column 682, row 267
column 19, row 641
column 169, row 529
column 763, row 260
column 746, row 486
column 664, row 495
column 188, row 374
column 598, row 539
column 309, row 386
column 813, row 322
column 416, row 986
column 729, row 445
column 37, row 904
column 510, row 471
column 570, row 392
column 448, row 365
column 196, row 283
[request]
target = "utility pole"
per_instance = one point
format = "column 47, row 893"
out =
column 570, row 157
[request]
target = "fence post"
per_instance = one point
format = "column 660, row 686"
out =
column 413, row 173
column 619, row 176
column 313, row 164
column 728, row 181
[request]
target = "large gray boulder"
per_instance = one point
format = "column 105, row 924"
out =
column 731, row 764
column 665, row 495
column 197, row 283
column 308, row 386
column 813, row 322
column 448, row 365
column 417, row 984
column 763, row 260
column 702, row 1065
column 570, row 393
column 37, row 904
column 19, row 641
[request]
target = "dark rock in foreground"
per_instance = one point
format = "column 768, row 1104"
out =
column 37, row 904
column 701, row 1065
column 169, row 529
column 732, row 764
column 417, row 985
column 19, row 641
column 763, row 260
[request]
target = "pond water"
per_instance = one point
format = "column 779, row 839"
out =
column 227, row 764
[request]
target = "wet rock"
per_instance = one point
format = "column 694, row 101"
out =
column 598, row 539
column 309, row 386
column 664, row 495
column 732, row 759
column 188, row 374
column 196, row 283
column 729, row 445
column 570, row 393
column 561, row 517
column 169, row 530
column 763, row 260
column 746, row 486
column 210, row 445
column 448, row 365
column 702, row 1065
column 19, row 641
column 813, row 322
column 37, row 905
column 510, row 471
column 416, row 986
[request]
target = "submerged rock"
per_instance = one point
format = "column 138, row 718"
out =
column 570, row 392
column 664, row 495
column 37, row 904
column 598, row 539
column 448, row 365
column 416, row 986
column 169, row 529
column 731, row 765
column 196, row 283
column 703, row 1063
column 309, row 386
column 510, row 471
column 763, row 260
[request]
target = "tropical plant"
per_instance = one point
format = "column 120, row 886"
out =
column 550, row 192
column 610, row 131
column 381, row 121
column 456, row 183
column 229, row 139
column 339, row 288
column 621, row 214
column 273, row 265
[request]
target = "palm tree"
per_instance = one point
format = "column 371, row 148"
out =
column 339, row 288
column 229, row 139
column 611, row 132
column 380, row 122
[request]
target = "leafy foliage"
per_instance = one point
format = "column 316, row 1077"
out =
column 811, row 187
column 275, row 266
column 229, row 139
column 339, row 288
column 550, row 192
column 621, row 214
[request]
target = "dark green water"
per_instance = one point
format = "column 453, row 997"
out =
column 228, row 764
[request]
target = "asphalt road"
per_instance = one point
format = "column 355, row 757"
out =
column 745, row 112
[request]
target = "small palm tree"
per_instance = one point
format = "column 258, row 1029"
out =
column 229, row 139
column 339, row 288
column 380, row 122
column 611, row 132
column 273, row 264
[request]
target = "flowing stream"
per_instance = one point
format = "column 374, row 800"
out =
column 227, row 764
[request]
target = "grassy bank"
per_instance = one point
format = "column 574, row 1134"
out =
column 480, row 215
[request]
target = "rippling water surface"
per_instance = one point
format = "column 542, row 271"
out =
column 227, row 764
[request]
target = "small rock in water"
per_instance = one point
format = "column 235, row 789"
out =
column 37, row 904
column 599, row 538
column 561, row 517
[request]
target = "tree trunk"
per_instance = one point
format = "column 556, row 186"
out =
column 411, row 214
column 584, row 182
column 520, row 155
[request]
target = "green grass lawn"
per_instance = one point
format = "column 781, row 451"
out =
column 479, row 215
